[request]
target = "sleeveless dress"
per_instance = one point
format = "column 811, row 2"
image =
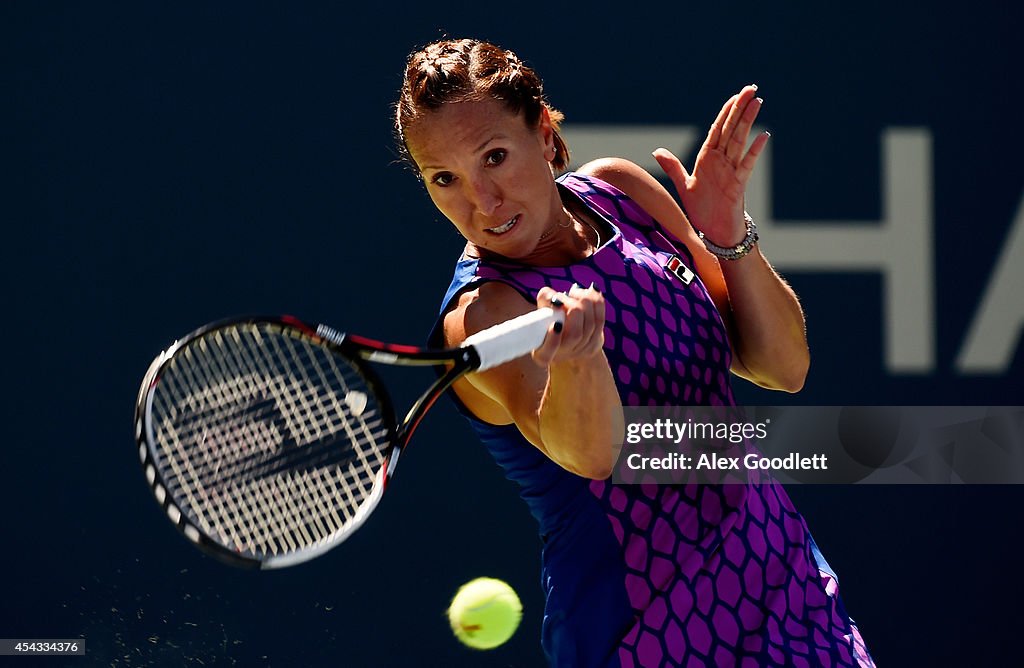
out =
column 661, row 575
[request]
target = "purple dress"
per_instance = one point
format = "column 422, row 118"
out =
column 662, row 575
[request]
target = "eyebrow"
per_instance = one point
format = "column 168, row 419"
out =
column 476, row 150
column 481, row 146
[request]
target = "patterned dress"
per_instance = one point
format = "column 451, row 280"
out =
column 662, row 575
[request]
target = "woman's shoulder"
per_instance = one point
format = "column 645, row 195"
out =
column 480, row 306
column 630, row 179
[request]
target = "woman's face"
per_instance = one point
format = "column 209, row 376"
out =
column 489, row 174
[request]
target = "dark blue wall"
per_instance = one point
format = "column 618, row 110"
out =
column 165, row 165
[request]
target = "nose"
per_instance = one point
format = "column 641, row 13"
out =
column 485, row 194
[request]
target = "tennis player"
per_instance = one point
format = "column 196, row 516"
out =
column 660, row 306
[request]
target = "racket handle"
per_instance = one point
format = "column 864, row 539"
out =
column 512, row 338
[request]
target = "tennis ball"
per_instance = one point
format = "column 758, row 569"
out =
column 485, row 613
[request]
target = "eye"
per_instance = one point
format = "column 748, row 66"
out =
column 442, row 179
column 496, row 157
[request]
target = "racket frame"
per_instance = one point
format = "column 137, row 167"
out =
column 356, row 351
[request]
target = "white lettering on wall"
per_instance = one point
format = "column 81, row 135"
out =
column 899, row 246
column 996, row 330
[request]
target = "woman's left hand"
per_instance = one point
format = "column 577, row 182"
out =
column 712, row 195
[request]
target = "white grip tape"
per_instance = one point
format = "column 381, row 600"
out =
column 513, row 338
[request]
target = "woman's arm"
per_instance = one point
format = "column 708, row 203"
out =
column 562, row 398
column 761, row 312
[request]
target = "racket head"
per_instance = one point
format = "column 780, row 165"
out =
column 265, row 443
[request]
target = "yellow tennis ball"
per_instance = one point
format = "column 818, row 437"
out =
column 485, row 613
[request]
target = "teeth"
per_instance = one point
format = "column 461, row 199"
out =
column 501, row 229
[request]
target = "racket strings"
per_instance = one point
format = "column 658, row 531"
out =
column 258, row 442
column 250, row 510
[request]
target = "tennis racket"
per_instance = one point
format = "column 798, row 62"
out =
column 268, row 441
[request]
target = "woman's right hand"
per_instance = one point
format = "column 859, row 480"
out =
column 564, row 400
column 581, row 336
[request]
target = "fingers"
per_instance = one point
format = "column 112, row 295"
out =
column 584, row 322
column 715, row 133
column 740, row 119
column 746, row 166
column 581, row 335
column 731, row 129
column 672, row 167
column 544, row 354
column 595, row 343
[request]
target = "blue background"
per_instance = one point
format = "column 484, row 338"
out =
column 167, row 164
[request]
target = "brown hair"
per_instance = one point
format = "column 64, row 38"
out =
column 458, row 70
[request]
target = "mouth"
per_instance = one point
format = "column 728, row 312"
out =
column 504, row 228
